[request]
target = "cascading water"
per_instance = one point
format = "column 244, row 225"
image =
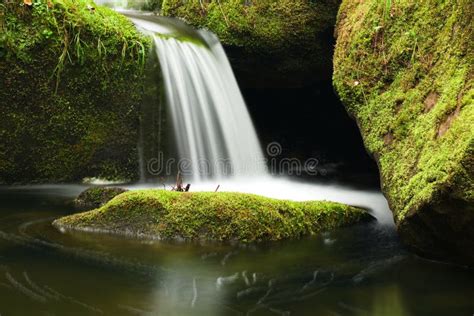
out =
column 212, row 127
column 214, row 133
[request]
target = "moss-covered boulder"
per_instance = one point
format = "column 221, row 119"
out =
column 212, row 216
column 404, row 70
column 69, row 91
column 96, row 197
column 269, row 42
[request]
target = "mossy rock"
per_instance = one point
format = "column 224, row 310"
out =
column 211, row 216
column 404, row 70
column 70, row 89
column 96, row 197
column 270, row 43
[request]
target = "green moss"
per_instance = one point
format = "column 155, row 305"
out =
column 404, row 71
column 263, row 24
column 215, row 216
column 281, row 38
column 69, row 92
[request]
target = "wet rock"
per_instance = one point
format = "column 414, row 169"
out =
column 415, row 112
column 66, row 118
column 221, row 216
column 282, row 43
column 96, row 197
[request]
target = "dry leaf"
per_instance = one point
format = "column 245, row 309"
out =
column 28, row 2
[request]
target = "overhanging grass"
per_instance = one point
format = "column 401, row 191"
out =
column 70, row 88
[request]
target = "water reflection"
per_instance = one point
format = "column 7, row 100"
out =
column 388, row 300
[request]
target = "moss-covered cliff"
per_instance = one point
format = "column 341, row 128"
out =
column 404, row 70
column 69, row 91
column 269, row 42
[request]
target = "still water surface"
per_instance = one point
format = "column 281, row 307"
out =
column 361, row 270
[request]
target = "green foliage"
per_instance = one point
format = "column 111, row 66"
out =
column 69, row 92
column 404, row 71
column 213, row 216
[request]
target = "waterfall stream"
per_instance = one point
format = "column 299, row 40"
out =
column 214, row 133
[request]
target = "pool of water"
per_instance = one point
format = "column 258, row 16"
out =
column 360, row 270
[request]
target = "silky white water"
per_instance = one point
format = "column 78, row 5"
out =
column 214, row 134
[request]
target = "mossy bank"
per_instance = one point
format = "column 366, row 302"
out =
column 211, row 216
column 404, row 70
column 70, row 89
column 270, row 43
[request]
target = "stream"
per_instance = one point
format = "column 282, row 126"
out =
column 359, row 270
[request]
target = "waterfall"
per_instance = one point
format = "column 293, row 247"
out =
column 213, row 131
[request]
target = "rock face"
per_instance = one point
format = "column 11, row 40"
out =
column 69, row 92
column 404, row 70
column 96, row 197
column 283, row 43
column 211, row 216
